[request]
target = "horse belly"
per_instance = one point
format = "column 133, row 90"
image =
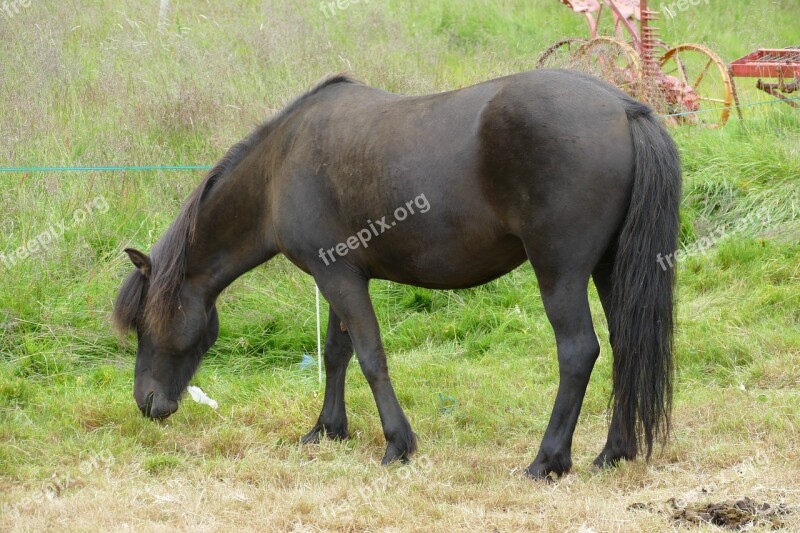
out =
column 449, row 264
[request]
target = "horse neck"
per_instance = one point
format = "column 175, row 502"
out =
column 234, row 232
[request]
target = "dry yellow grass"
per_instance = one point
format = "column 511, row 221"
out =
column 723, row 450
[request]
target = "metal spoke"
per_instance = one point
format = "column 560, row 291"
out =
column 681, row 69
column 703, row 73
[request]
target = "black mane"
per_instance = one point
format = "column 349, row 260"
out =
column 133, row 308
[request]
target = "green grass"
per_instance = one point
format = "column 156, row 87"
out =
column 474, row 369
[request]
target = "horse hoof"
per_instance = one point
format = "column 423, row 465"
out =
column 393, row 454
column 400, row 449
column 539, row 473
column 603, row 463
column 608, row 459
column 313, row 436
column 320, row 430
column 550, row 469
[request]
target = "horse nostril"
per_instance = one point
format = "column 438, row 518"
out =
column 147, row 407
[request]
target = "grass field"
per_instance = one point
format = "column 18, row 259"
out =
column 474, row 369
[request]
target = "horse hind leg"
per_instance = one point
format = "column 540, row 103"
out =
column 565, row 298
column 616, row 447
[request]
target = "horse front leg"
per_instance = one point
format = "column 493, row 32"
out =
column 348, row 295
column 332, row 420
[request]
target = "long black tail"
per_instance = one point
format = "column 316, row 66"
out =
column 642, row 316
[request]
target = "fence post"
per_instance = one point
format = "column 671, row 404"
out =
column 162, row 15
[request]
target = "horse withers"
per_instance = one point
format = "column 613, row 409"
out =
column 454, row 190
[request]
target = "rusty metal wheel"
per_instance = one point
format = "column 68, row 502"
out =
column 613, row 60
column 698, row 86
column 561, row 54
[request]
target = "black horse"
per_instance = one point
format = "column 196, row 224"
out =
column 443, row 191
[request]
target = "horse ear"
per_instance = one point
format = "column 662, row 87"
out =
column 140, row 260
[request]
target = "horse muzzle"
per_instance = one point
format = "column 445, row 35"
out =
column 157, row 406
